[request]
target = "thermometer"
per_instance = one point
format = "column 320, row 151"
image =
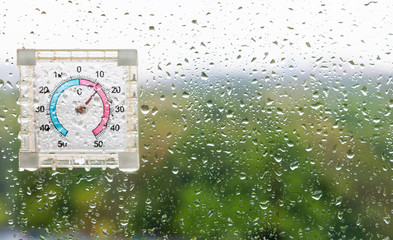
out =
column 78, row 108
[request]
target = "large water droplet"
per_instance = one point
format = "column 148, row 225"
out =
column 145, row 109
column 204, row 76
column 350, row 154
column 317, row 194
column 185, row 94
column 263, row 205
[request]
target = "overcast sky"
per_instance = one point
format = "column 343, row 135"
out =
column 216, row 36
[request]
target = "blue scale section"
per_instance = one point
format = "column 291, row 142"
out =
column 53, row 103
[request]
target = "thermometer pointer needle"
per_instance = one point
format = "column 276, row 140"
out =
column 87, row 102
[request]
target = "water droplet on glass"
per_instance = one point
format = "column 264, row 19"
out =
column 317, row 194
column 145, row 109
column 108, row 177
column 154, row 111
column 229, row 221
column 278, row 157
column 386, row 219
column 185, row 95
column 350, row 154
column 181, row 222
column 52, row 194
column 209, row 103
column 364, row 91
column 242, row 176
column 263, row 205
column 294, row 165
column 124, row 222
column 204, row 76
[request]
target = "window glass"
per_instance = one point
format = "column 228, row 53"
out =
column 258, row 120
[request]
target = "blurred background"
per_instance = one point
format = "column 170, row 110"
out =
column 258, row 120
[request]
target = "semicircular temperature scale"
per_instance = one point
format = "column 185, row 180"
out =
column 83, row 82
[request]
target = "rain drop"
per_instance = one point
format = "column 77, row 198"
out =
column 145, row 109
column 204, row 76
column 185, row 95
column 350, row 154
column 317, row 194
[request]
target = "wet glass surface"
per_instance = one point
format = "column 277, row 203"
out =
column 257, row 121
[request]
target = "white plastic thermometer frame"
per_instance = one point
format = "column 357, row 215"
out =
column 29, row 157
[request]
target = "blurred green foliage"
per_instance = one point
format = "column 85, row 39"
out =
column 255, row 161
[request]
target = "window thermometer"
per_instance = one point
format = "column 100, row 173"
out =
column 79, row 108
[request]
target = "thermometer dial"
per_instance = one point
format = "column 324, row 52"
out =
column 80, row 107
